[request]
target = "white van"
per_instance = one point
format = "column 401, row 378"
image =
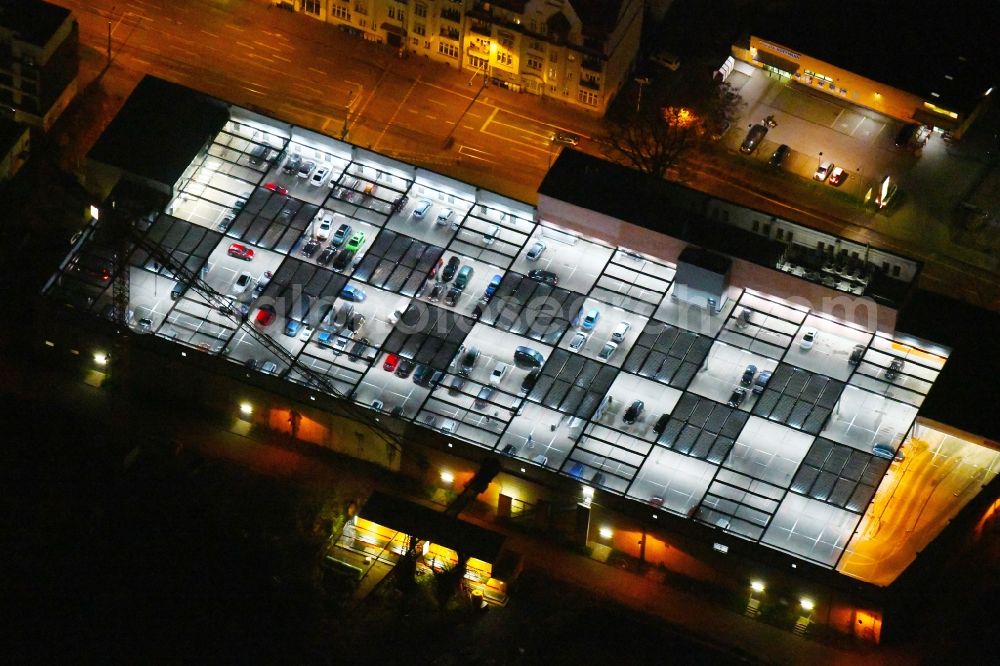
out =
column 618, row 335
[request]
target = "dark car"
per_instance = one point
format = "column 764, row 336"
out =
column 422, row 375
column 405, row 368
column 778, row 156
column 736, row 399
column 293, row 163
column 661, row 424
column 326, row 255
column 452, row 296
column 491, row 288
column 633, row 412
column 309, row 249
column 468, row 361
column 753, row 138
column 748, row 374
column 548, row 277
column 482, row 399
column 358, row 349
column 463, row 277
column 343, row 259
column 342, row 233
column 905, row 135
column 762, row 379
column 457, row 384
column 526, row 357
column 856, row 354
column 435, row 294
column 895, row 367
column 479, row 307
column 450, row 269
column 529, row 380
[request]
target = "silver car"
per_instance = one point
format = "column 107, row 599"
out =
column 535, row 251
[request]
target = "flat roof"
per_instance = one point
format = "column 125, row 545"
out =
column 10, row 133
column 950, row 51
column 32, row 21
column 419, row 521
column 159, row 130
column 963, row 392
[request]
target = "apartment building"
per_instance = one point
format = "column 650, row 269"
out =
column 39, row 61
column 577, row 51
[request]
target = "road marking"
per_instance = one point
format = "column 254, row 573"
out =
column 318, row 71
column 515, row 141
column 255, row 92
column 461, row 151
column 278, row 57
column 525, row 130
column 490, row 119
column 267, row 46
column 431, row 117
column 434, row 101
column 245, row 45
column 469, row 127
column 261, row 57
column 210, row 34
column 233, row 26
column 402, row 102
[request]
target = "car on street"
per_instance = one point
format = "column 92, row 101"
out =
column 526, row 357
column 837, row 176
column 310, row 248
column 240, row 251
column 293, row 163
column 535, row 251
column 761, row 382
column 748, row 375
column 265, row 316
column 319, row 177
column 352, row 293
column 808, row 339
column 778, row 156
column 736, row 398
column 856, row 354
column 450, row 269
column 452, row 296
column 405, row 368
column 391, row 361
column 823, row 171
column 355, row 242
column 341, row 234
column 589, row 320
column 578, row 341
column 566, row 138
column 326, row 255
column 607, row 350
column 547, row 277
column 633, row 412
column 242, row 283
column 468, row 361
column 306, row 168
column 499, row 372
column 420, row 210
column 274, row 187
column 344, row 258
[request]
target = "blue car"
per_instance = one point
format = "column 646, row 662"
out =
column 491, row 288
column 590, row 319
column 292, row 327
column 352, row 293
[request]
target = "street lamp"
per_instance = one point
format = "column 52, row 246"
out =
column 807, row 603
column 757, row 585
column 642, row 81
column 246, row 409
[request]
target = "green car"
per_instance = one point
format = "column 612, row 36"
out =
column 356, row 241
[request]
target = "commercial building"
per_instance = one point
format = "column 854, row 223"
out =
column 740, row 375
column 577, row 51
column 15, row 144
column 891, row 57
column 39, row 61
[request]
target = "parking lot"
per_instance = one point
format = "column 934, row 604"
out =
column 451, row 325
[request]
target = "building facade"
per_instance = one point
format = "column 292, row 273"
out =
column 577, row 51
column 39, row 61
column 15, row 144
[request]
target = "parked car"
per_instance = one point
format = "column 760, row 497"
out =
column 753, row 138
column 341, row 235
column 567, row 138
column 420, row 210
column 887, row 452
column 293, row 163
column 748, row 375
column 483, row 397
column 779, row 155
column 391, row 361
column 823, row 171
column 452, row 296
column 463, row 277
column 352, row 293
column 548, row 277
column 468, row 361
column 499, row 372
column 265, row 316
column 326, row 255
column 422, row 375
column 450, row 269
column 319, row 177
column 480, row 307
column 633, row 412
column 268, row 367
column 736, row 399
column 762, row 379
column 856, row 354
column 342, row 260
column 355, row 242
column 526, row 357
column 618, row 335
column 242, row 283
column 808, row 339
column 444, row 217
column 436, row 292
column 262, row 282
column 491, row 235
column 306, row 168
column 323, row 229
column 905, row 135
column 259, row 154
column 310, row 248
column 837, row 176
column 491, row 288
column 589, row 320
column 405, row 368
column 274, row 187
column 661, row 424
column 529, row 380
column 240, row 251
column 607, row 350
column 399, row 203
column 448, row 426
column 578, row 341
column 895, row 367
column 535, row 251
column 435, row 268
column 457, row 384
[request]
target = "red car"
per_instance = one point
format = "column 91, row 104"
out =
column 436, row 268
column 274, row 187
column 391, row 361
column 240, row 252
column 265, row 316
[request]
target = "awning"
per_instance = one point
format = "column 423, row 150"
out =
column 776, row 61
column 393, row 29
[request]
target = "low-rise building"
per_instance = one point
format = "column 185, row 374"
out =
column 15, row 143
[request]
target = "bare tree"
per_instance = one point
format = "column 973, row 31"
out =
column 653, row 139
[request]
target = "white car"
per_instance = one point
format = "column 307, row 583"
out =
column 420, row 210
column 578, row 341
column 499, row 370
column 823, row 171
column 242, row 283
column 808, row 339
column 448, row 426
column 319, row 176
column 323, row 230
